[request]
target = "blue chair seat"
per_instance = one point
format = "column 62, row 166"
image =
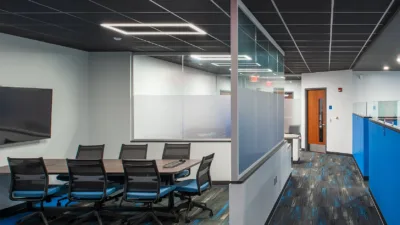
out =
column 94, row 194
column 184, row 173
column 150, row 195
column 190, row 186
column 36, row 194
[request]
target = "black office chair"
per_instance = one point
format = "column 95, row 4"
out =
column 143, row 185
column 84, row 152
column 90, row 152
column 177, row 151
column 88, row 183
column 193, row 187
column 129, row 152
column 30, row 183
column 133, row 152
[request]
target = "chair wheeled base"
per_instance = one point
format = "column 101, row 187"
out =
column 190, row 204
column 25, row 218
column 153, row 214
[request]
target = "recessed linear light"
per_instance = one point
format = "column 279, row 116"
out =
column 255, row 70
column 240, row 64
column 386, row 68
column 219, row 57
column 116, row 27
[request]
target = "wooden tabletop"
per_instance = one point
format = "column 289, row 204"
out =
column 112, row 166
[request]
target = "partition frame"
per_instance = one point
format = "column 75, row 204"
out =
column 236, row 177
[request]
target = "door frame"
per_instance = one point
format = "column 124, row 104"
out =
column 307, row 147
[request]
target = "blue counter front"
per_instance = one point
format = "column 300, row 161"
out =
column 384, row 167
column 360, row 143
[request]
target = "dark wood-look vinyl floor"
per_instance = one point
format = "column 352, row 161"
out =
column 325, row 189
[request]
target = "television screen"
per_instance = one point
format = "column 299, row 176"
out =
column 25, row 114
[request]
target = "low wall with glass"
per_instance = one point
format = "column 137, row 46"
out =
column 384, row 167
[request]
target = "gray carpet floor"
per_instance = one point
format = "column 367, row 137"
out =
column 216, row 198
column 325, row 189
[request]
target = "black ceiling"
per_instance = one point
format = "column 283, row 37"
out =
column 309, row 22
column 76, row 23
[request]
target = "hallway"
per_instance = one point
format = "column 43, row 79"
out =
column 325, row 189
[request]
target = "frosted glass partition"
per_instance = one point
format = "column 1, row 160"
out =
column 180, row 98
column 387, row 111
column 260, row 124
column 372, row 109
column 292, row 113
column 206, row 117
column 360, row 108
column 182, row 117
column 260, row 109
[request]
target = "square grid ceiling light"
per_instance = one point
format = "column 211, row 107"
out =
column 117, row 28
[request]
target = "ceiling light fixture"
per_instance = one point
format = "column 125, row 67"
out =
column 254, row 70
column 240, row 64
column 117, row 38
column 117, row 28
column 386, row 68
column 398, row 59
column 219, row 57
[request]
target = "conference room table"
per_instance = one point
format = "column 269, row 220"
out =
column 114, row 167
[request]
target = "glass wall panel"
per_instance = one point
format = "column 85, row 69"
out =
column 182, row 97
column 360, row 108
column 260, row 106
column 387, row 111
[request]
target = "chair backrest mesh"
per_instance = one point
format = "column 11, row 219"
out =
column 133, row 152
column 28, row 174
column 90, row 152
column 141, row 176
column 86, row 175
column 203, row 174
column 176, row 151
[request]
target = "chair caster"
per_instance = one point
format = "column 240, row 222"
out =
column 187, row 220
column 211, row 214
column 58, row 204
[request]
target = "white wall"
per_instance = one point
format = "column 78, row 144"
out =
column 28, row 63
column 109, row 100
column 251, row 202
column 376, row 86
column 224, row 83
column 339, row 131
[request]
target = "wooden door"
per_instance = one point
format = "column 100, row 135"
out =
column 316, row 119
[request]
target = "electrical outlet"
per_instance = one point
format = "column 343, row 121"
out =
column 275, row 180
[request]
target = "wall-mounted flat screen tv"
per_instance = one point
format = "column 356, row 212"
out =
column 25, row 114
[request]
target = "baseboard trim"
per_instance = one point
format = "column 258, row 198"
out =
column 277, row 201
column 359, row 170
column 221, row 182
column 372, row 195
column 377, row 207
column 339, row 153
column 6, row 212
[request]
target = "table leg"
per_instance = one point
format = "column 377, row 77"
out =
column 171, row 200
